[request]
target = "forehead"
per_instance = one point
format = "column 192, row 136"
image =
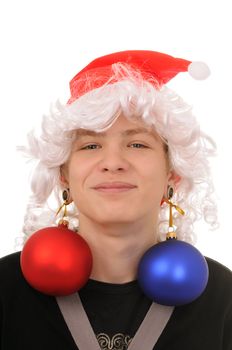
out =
column 123, row 132
column 122, row 127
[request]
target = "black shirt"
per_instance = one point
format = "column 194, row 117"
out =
column 115, row 311
column 32, row 320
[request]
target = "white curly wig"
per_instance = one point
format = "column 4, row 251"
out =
column 127, row 93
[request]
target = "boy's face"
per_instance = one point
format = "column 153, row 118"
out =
column 118, row 156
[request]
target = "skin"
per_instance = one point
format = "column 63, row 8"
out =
column 119, row 227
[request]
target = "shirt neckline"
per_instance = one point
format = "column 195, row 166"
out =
column 111, row 288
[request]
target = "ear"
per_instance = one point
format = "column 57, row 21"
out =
column 173, row 179
column 63, row 176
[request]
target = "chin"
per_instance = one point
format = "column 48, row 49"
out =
column 116, row 218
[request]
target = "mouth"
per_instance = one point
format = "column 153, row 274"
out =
column 114, row 187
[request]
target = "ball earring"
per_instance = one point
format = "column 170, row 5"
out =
column 56, row 260
column 173, row 272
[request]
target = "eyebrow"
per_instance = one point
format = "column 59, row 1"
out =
column 128, row 132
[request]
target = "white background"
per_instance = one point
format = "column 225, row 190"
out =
column 45, row 43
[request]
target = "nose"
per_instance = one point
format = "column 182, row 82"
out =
column 113, row 160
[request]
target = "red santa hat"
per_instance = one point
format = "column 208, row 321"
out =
column 159, row 66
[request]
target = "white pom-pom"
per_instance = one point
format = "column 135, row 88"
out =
column 199, row 70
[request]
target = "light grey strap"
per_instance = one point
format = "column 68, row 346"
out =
column 78, row 323
column 151, row 328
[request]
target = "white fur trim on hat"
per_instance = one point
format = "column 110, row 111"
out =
column 199, row 70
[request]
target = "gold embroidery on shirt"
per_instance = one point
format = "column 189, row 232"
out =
column 118, row 342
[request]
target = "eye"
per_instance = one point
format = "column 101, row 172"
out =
column 139, row 144
column 92, row 146
column 89, row 146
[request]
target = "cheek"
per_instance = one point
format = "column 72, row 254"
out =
column 157, row 168
column 156, row 178
column 78, row 174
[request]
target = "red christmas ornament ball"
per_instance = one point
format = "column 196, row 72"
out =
column 56, row 261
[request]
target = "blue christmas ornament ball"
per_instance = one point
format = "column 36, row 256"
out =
column 173, row 273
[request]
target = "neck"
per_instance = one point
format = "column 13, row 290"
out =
column 117, row 249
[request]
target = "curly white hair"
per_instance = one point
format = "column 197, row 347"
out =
column 127, row 93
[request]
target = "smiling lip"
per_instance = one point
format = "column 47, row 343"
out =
column 114, row 187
